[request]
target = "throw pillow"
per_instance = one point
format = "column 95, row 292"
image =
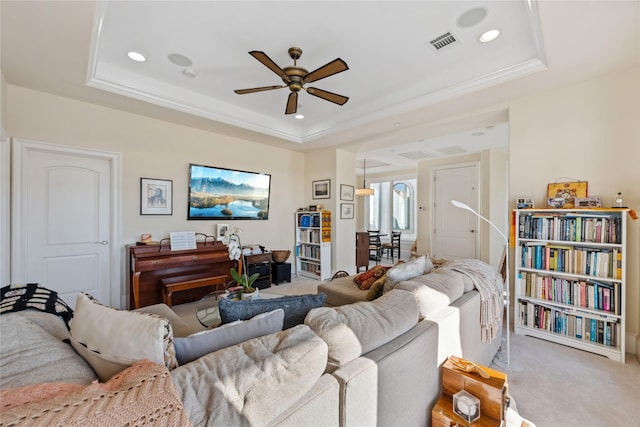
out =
column 362, row 277
column 295, row 308
column 111, row 340
column 378, row 271
column 143, row 394
column 376, row 289
column 197, row 345
column 405, row 271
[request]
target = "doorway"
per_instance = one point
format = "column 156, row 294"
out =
column 65, row 220
column 455, row 232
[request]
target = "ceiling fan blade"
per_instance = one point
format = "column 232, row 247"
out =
column 257, row 89
column 329, row 96
column 292, row 103
column 334, row 67
column 262, row 57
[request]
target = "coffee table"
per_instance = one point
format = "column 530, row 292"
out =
column 207, row 308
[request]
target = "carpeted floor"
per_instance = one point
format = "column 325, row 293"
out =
column 559, row 386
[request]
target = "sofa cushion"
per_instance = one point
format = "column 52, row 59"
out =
column 405, row 271
column 201, row 343
column 28, row 353
column 141, row 395
column 355, row 329
column 295, row 308
column 434, row 291
column 253, row 382
column 112, row 340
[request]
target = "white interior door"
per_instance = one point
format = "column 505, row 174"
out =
column 455, row 229
column 62, row 220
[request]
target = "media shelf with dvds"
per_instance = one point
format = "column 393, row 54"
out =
column 570, row 277
column 313, row 244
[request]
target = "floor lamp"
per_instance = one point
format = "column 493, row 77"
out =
column 500, row 360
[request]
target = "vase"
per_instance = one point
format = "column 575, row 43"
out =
column 251, row 295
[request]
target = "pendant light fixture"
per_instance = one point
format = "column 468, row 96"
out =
column 364, row 191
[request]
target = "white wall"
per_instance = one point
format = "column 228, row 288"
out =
column 588, row 131
column 156, row 149
column 339, row 167
column 5, row 225
column 492, row 194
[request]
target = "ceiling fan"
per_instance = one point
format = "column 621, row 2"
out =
column 296, row 77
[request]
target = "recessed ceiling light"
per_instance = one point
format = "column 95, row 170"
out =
column 488, row 36
column 299, row 116
column 189, row 72
column 136, row 56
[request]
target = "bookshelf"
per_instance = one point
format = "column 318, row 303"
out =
column 313, row 244
column 570, row 269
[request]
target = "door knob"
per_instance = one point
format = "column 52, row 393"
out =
column 473, row 231
column 103, row 243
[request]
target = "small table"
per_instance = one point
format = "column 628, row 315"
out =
column 207, row 308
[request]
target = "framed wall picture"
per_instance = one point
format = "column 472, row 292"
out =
column 346, row 210
column 222, row 232
column 563, row 194
column 346, row 192
column 321, row 189
column 156, row 196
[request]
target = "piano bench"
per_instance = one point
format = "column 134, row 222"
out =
column 191, row 281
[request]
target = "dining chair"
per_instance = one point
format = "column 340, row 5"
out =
column 392, row 247
column 375, row 246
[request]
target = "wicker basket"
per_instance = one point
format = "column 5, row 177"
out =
column 280, row 256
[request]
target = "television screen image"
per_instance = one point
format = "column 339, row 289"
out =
column 219, row 193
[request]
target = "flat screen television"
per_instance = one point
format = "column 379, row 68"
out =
column 220, row 193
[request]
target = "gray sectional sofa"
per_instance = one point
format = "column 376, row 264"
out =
column 365, row 363
column 336, row 370
column 448, row 296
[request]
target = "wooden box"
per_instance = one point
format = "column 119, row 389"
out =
column 492, row 392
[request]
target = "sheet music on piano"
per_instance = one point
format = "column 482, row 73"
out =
column 183, row 240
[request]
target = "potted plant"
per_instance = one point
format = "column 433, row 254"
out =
column 242, row 279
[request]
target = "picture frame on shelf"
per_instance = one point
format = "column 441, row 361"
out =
column 222, row 232
column 321, row 189
column 156, row 196
column 346, row 192
column 346, row 210
column 588, row 202
column 567, row 191
column 524, row 203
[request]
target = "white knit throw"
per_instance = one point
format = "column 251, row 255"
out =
column 489, row 284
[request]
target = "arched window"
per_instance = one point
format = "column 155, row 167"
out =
column 392, row 207
column 401, row 202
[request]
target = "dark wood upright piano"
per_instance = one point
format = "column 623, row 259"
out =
column 150, row 264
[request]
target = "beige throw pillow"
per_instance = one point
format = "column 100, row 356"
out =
column 111, row 340
column 405, row 271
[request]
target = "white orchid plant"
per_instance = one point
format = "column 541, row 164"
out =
column 235, row 253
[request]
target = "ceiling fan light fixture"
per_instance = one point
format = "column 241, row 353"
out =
column 299, row 116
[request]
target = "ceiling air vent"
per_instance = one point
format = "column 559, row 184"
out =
column 416, row 155
column 443, row 41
